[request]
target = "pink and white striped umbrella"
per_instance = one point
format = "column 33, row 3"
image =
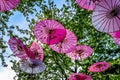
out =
column 99, row 67
column 6, row 5
column 37, row 49
column 79, row 76
column 49, row 31
column 19, row 49
column 106, row 16
column 87, row 4
column 81, row 52
column 67, row 45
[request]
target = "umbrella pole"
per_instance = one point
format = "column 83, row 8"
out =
column 32, row 75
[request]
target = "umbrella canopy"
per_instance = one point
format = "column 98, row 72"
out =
column 32, row 66
column 19, row 49
column 37, row 49
column 115, row 34
column 67, row 45
column 116, row 37
column 106, row 16
column 81, row 52
column 6, row 5
column 49, row 31
column 79, row 76
column 99, row 67
column 117, row 41
column 87, row 4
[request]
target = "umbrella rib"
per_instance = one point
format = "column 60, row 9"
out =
column 80, row 1
column 98, row 19
column 100, row 11
column 55, row 25
column 112, row 5
column 12, row 3
column 104, row 19
column 107, row 3
column 43, row 22
column 103, row 14
column 84, row 3
column 115, row 3
column 105, row 25
column 4, row 5
column 118, row 3
column 109, row 25
column 102, row 6
column 118, row 22
column 89, row 5
column 113, row 25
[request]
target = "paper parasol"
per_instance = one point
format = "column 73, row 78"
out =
column 106, row 16
column 99, row 67
column 115, row 34
column 37, row 49
column 81, row 52
column 49, row 31
column 67, row 45
column 32, row 66
column 87, row 4
column 19, row 49
column 116, row 37
column 79, row 76
column 6, row 5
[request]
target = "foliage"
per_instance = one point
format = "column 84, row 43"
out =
column 59, row 66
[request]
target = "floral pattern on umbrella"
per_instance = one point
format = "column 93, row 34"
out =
column 87, row 4
column 99, row 67
column 81, row 52
column 19, row 49
column 37, row 49
column 106, row 16
column 67, row 45
column 6, row 5
column 79, row 76
column 49, row 31
column 32, row 66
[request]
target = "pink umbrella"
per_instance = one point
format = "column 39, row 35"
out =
column 106, row 16
column 49, row 31
column 117, row 41
column 79, row 76
column 87, row 4
column 67, row 45
column 19, row 49
column 99, row 67
column 32, row 66
column 37, row 49
column 116, row 37
column 6, row 5
column 81, row 52
column 115, row 34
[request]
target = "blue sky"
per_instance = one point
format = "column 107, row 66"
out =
column 17, row 20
